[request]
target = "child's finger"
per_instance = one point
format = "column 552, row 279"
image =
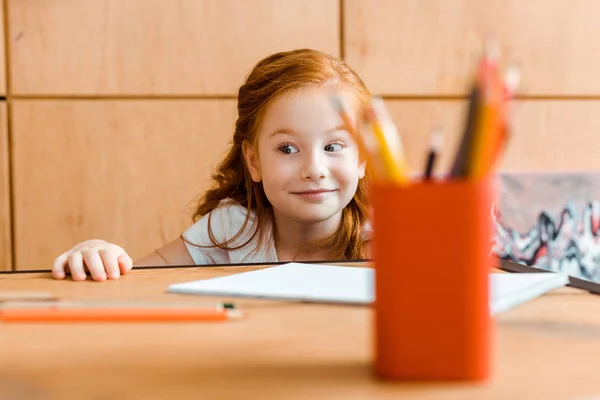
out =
column 75, row 261
column 94, row 264
column 111, row 265
column 58, row 267
column 125, row 263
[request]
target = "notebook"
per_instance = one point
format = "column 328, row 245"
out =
column 352, row 285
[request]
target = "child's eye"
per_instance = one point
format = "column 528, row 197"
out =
column 337, row 146
column 288, row 149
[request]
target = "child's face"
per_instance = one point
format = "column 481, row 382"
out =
column 308, row 163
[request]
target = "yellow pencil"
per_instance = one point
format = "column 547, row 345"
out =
column 388, row 141
column 486, row 131
column 370, row 142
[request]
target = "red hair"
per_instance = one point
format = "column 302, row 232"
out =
column 278, row 74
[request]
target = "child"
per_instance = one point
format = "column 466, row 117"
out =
column 291, row 187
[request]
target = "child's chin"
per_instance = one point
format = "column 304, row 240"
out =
column 315, row 217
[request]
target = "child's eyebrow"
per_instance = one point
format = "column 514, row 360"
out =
column 337, row 128
column 283, row 132
column 292, row 132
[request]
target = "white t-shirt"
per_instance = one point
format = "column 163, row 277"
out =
column 225, row 222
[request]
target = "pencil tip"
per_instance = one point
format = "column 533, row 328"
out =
column 340, row 101
column 492, row 49
column 378, row 109
column 512, row 78
column 437, row 138
column 234, row 314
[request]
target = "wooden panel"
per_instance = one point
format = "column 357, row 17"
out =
column 157, row 46
column 124, row 171
column 5, row 220
column 548, row 135
column 427, row 47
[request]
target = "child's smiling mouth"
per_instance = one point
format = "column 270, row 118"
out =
column 319, row 194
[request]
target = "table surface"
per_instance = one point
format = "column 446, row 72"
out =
column 548, row 348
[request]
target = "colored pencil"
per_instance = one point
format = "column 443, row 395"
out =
column 435, row 146
column 117, row 314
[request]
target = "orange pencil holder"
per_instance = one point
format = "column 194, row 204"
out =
column 431, row 255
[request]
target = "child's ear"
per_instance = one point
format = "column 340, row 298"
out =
column 252, row 161
column 361, row 169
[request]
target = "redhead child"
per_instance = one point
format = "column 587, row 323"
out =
column 291, row 186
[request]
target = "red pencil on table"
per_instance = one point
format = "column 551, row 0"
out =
column 116, row 314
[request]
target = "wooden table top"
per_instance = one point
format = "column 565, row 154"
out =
column 548, row 349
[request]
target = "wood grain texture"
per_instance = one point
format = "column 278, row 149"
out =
column 280, row 351
column 158, row 47
column 5, row 216
column 124, row 171
column 548, row 136
column 413, row 47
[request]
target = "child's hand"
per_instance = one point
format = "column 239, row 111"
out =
column 103, row 260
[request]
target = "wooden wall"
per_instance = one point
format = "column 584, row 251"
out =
column 114, row 112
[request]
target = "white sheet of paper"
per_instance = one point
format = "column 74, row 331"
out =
column 352, row 285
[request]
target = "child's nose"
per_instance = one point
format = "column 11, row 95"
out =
column 313, row 167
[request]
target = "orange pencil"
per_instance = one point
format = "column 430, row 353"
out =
column 488, row 125
column 478, row 116
column 367, row 154
column 511, row 82
column 56, row 315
